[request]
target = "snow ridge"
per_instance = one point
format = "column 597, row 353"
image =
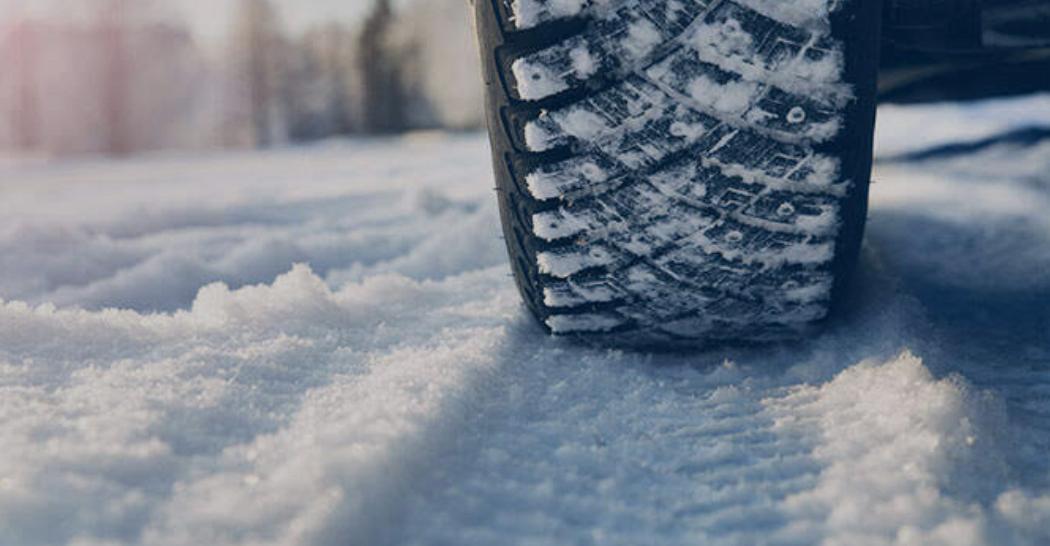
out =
column 898, row 445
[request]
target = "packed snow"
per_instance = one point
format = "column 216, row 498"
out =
column 323, row 346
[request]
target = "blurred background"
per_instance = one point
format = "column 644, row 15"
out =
column 123, row 77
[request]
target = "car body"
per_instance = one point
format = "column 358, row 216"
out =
column 937, row 50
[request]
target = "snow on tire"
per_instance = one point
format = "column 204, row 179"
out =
column 680, row 172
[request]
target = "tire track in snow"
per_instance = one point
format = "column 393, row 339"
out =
column 348, row 460
column 592, row 447
column 584, row 446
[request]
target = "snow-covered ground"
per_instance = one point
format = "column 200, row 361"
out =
column 322, row 346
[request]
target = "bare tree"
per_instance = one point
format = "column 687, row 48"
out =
column 27, row 113
column 318, row 90
column 259, row 42
column 380, row 66
column 116, row 79
column 443, row 73
column 335, row 47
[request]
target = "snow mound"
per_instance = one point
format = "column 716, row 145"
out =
column 907, row 458
column 270, row 414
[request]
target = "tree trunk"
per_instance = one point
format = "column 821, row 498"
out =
column 27, row 113
column 116, row 82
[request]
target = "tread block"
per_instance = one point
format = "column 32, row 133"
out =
column 729, row 96
column 760, row 48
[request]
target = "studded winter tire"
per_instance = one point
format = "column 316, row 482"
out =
column 681, row 172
